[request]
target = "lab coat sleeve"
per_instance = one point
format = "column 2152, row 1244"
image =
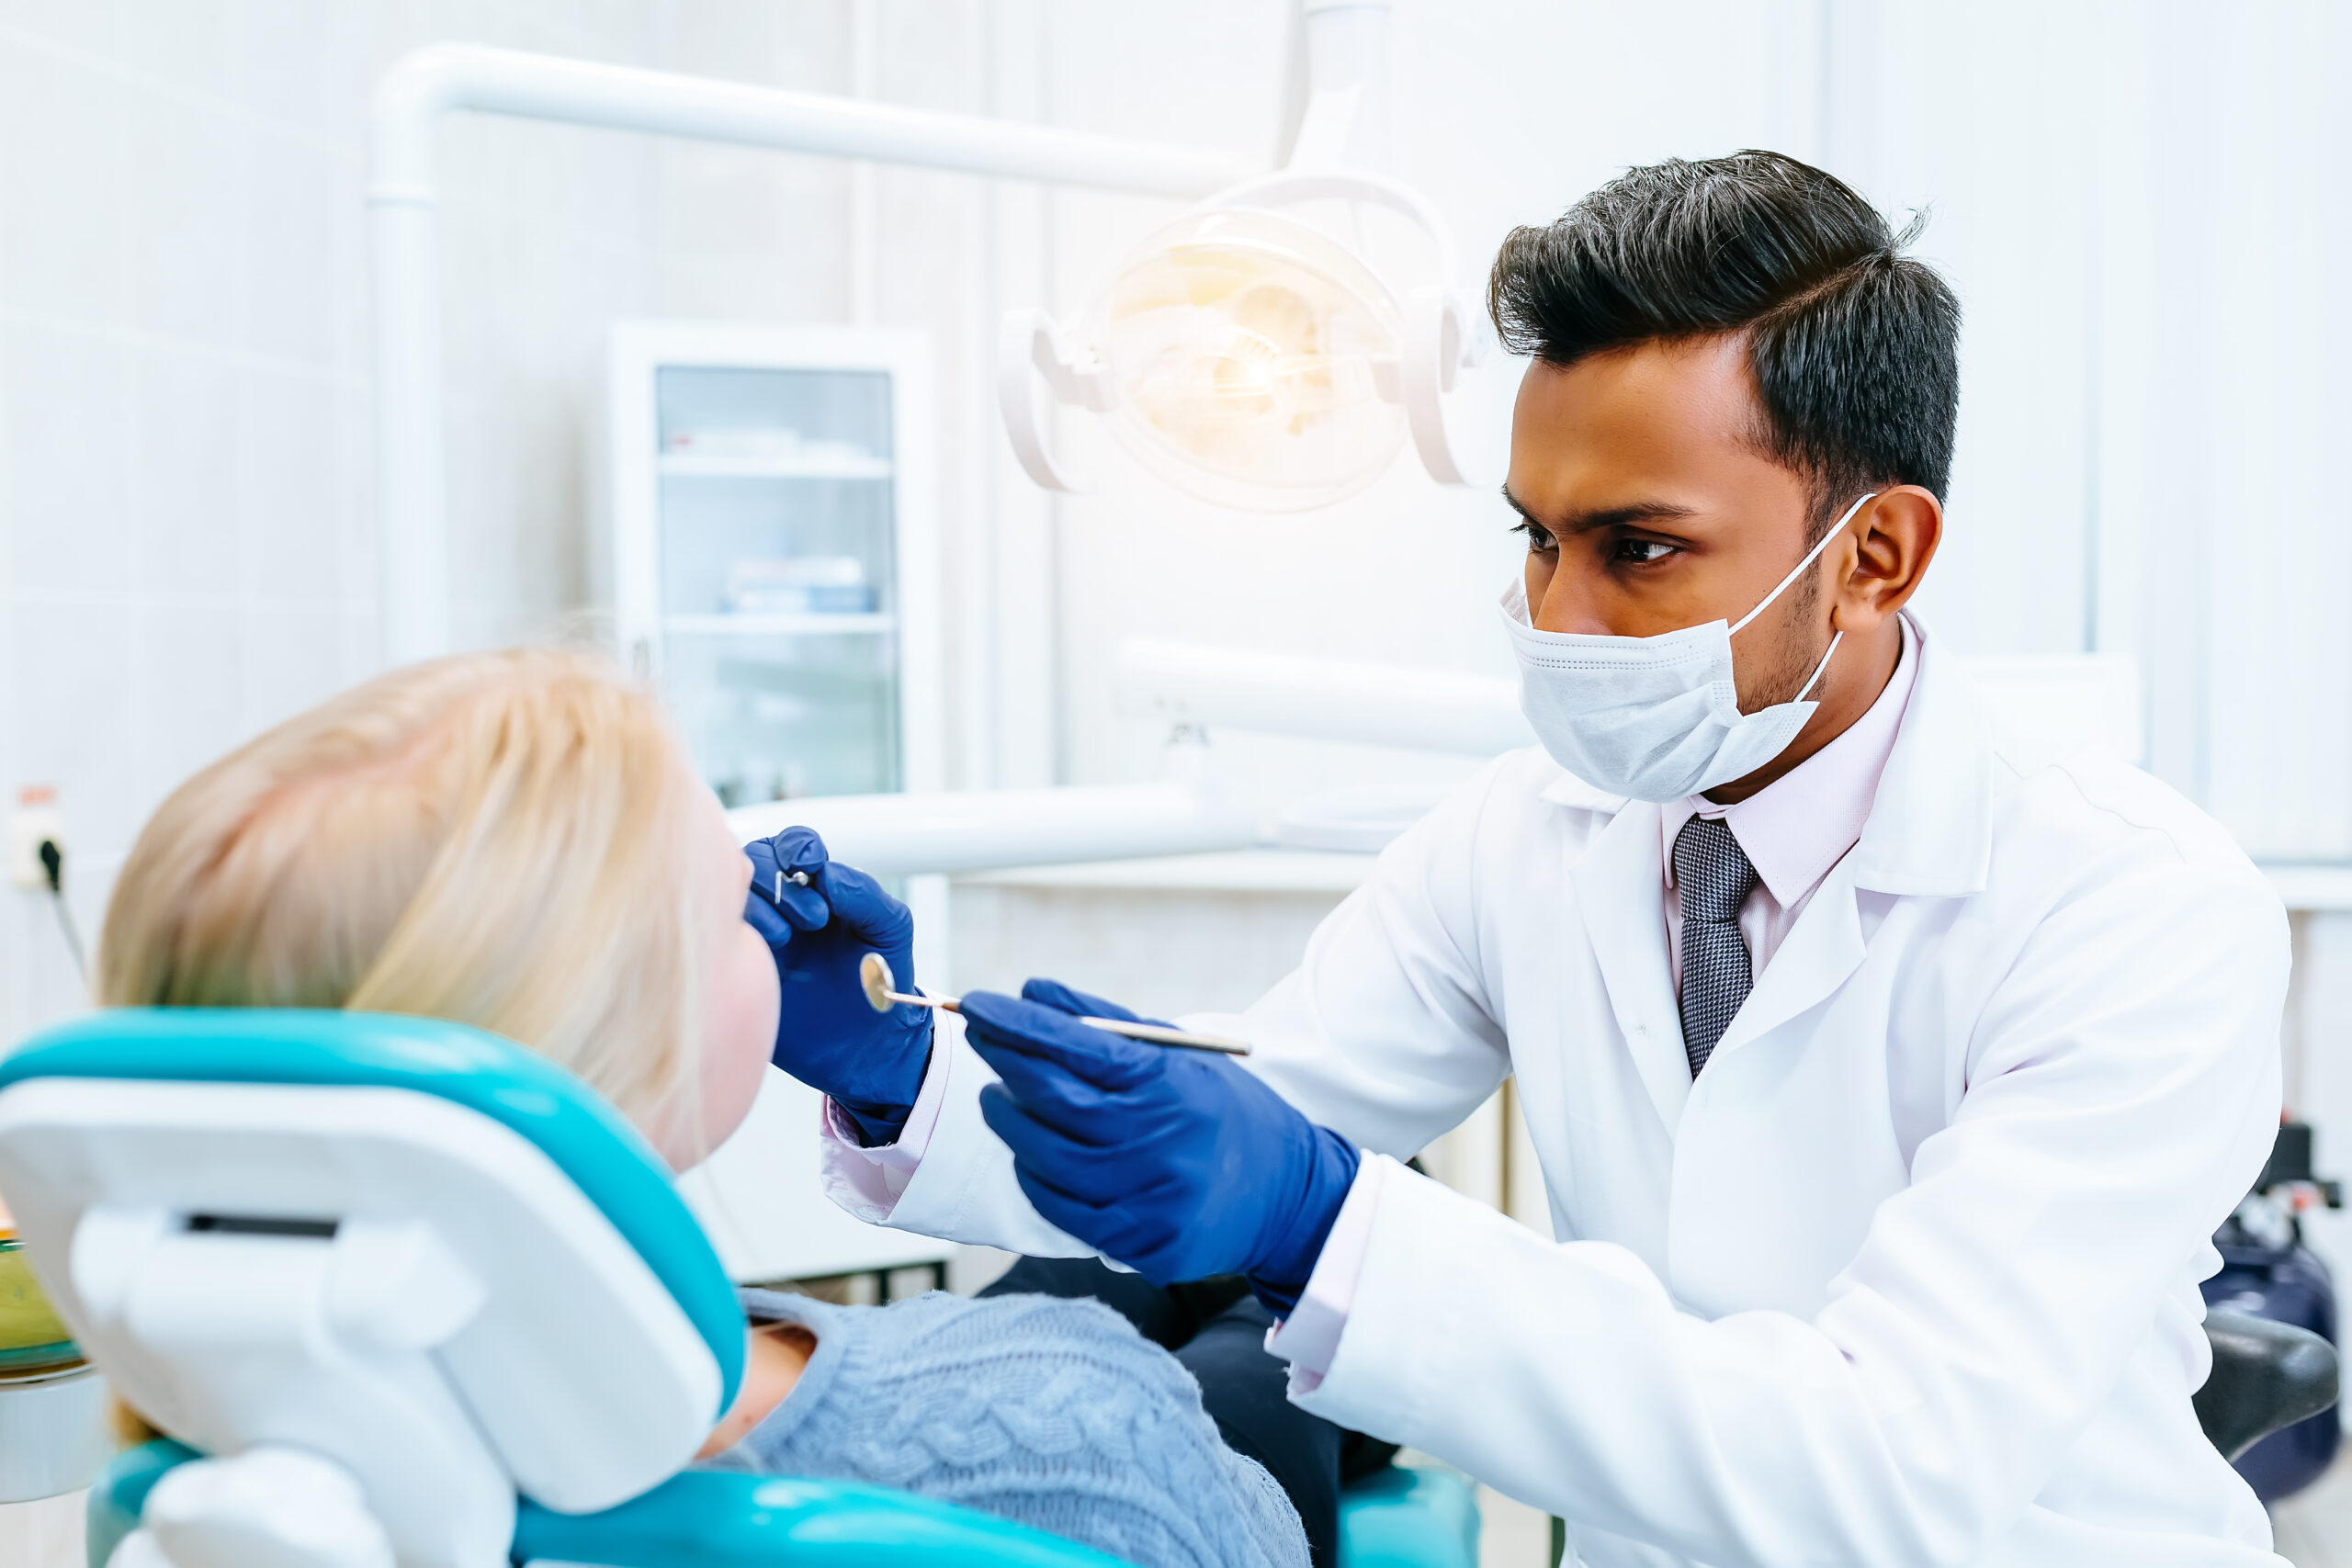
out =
column 1382, row 1033
column 1387, row 1032
column 2120, row 1094
column 959, row 1185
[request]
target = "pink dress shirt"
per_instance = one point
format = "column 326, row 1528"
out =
column 1793, row 831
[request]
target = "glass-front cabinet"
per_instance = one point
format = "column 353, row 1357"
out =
column 772, row 550
column 774, row 563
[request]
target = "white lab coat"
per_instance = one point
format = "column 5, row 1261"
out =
column 1908, row 1278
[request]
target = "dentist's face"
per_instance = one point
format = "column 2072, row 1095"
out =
column 1650, row 506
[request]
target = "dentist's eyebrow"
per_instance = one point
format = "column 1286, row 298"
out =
column 1607, row 517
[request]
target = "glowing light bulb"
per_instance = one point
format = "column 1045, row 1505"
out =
column 1255, row 361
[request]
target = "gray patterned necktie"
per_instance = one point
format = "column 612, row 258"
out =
column 1713, row 878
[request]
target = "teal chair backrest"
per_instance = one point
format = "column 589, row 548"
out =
column 706, row 1520
column 570, row 1123
column 698, row 1519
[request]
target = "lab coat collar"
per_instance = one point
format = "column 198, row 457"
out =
column 1570, row 790
column 1930, row 828
column 1929, row 833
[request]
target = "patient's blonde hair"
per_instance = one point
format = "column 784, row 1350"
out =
column 495, row 838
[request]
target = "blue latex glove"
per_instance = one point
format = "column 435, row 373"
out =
column 870, row 1064
column 1178, row 1164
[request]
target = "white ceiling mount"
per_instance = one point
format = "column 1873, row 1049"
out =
column 1346, row 121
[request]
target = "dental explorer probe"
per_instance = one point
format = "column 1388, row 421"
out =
column 874, row 973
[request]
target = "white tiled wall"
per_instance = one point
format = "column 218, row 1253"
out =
column 187, row 545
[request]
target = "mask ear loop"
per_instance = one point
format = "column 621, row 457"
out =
column 1810, row 556
column 1836, row 637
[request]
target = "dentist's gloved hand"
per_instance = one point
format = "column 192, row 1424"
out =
column 1178, row 1164
column 870, row 1064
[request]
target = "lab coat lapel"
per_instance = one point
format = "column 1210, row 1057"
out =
column 1931, row 830
column 1930, row 834
column 1621, row 896
column 1821, row 949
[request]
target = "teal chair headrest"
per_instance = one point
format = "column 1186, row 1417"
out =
column 588, row 1141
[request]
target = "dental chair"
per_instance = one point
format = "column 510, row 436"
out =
column 2266, row 1376
column 416, row 1298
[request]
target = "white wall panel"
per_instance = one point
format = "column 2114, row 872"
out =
column 187, row 539
column 1970, row 116
column 2248, row 235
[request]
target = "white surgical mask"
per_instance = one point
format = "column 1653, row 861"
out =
column 1654, row 718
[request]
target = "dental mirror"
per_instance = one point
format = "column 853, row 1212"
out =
column 874, row 976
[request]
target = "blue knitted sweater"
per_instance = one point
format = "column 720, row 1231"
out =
column 1054, row 1414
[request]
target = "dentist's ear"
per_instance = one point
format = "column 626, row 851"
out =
column 1896, row 535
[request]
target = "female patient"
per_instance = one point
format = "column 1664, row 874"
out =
column 514, row 841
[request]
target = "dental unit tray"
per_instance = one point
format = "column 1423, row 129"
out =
column 427, row 1301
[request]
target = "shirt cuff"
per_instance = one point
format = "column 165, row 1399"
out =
column 1309, row 1338
column 868, row 1181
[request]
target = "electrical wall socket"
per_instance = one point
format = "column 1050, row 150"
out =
column 28, row 825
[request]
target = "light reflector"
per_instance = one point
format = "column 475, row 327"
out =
column 1253, row 361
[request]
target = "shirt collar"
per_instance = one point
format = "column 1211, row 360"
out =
column 1796, row 827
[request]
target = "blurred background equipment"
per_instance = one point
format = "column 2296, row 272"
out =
column 55, row 1432
column 2267, row 1272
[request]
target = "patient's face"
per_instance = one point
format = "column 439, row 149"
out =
column 740, row 1002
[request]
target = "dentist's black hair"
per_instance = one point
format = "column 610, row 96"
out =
column 1854, row 345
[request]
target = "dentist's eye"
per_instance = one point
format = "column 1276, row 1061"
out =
column 1539, row 537
column 1641, row 552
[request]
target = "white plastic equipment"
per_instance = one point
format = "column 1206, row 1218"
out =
column 349, row 1294
column 55, row 1433
column 1248, row 357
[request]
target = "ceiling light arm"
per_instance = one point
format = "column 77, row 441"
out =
column 1281, row 187
column 1441, row 339
column 1343, row 77
column 1032, row 350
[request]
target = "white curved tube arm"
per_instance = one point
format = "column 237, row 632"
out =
column 427, row 83
column 1441, row 339
column 1283, row 186
column 1030, row 350
column 907, row 835
column 1327, row 699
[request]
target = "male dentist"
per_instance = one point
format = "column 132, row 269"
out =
column 1887, row 1082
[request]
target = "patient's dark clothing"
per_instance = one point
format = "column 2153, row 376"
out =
column 1218, row 1329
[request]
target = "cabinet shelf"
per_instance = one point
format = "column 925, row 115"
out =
column 754, row 464
column 865, row 624
column 698, row 465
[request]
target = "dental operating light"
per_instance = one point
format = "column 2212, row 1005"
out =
column 1248, row 357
